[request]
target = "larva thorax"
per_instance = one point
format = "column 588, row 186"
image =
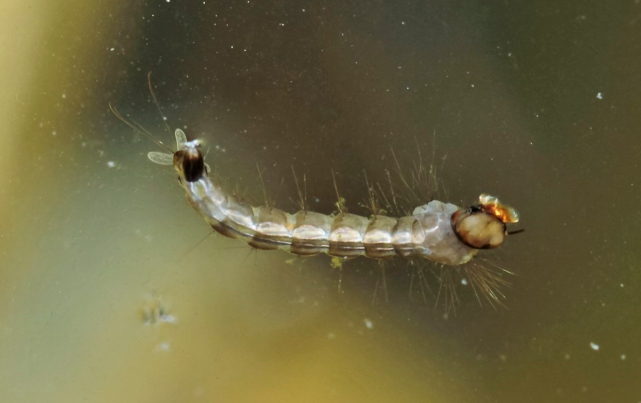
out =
column 441, row 232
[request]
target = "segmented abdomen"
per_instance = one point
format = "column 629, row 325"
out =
column 428, row 232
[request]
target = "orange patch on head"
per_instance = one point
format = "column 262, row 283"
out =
column 503, row 212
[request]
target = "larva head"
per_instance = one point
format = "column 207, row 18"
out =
column 483, row 226
column 189, row 161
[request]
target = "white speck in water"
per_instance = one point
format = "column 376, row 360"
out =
column 53, row 133
column 623, row 357
column 167, row 318
column 111, row 164
column 112, row 49
column 472, row 85
column 368, row 324
column 464, row 281
column 599, row 95
column 567, row 357
column 64, row 96
column 622, row 285
column 594, row 346
column 331, row 336
column 164, row 346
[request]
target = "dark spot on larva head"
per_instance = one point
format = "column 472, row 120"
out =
column 189, row 163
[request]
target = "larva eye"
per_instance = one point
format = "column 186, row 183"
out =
column 193, row 165
column 190, row 162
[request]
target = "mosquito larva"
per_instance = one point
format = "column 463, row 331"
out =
column 440, row 232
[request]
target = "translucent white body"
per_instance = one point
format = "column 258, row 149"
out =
column 427, row 232
column 441, row 232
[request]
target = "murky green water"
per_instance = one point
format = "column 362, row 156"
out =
column 108, row 292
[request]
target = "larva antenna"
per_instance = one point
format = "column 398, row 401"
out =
column 151, row 91
column 138, row 128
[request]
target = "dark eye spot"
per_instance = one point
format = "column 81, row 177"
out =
column 193, row 165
